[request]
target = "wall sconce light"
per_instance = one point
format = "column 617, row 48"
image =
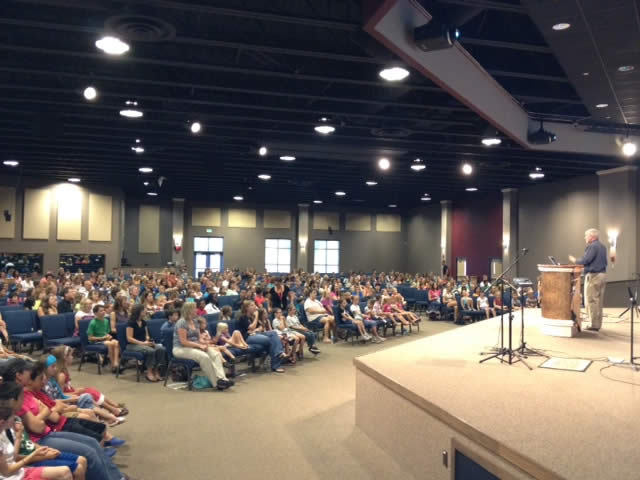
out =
column 303, row 243
column 613, row 242
column 177, row 242
column 505, row 242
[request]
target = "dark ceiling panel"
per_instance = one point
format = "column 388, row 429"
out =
column 263, row 73
column 604, row 35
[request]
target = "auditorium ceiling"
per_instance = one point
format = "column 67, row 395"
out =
column 266, row 72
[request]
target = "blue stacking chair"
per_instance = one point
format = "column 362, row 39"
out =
column 21, row 325
column 58, row 330
column 410, row 297
column 229, row 300
column 422, row 299
column 189, row 365
column 87, row 348
column 10, row 308
column 474, row 314
column 125, row 355
column 159, row 314
column 155, row 325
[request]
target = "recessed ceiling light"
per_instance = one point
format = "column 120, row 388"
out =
column 196, row 127
column 262, row 151
column 145, row 169
column 393, row 205
column 340, row 194
column 112, row 45
column 131, row 103
column 626, row 68
column 394, row 74
column 317, row 202
column 471, row 189
column 602, row 105
column 138, row 149
column 324, row 129
column 90, row 93
column 264, row 176
column 287, row 158
column 384, row 163
column 73, row 180
column 536, row 174
column 152, row 194
column 238, row 198
column 629, row 149
column 491, row 141
column 418, row 165
column 131, row 113
column 467, row 169
column 585, row 74
column 426, row 199
column 146, row 184
column 11, row 163
column 561, row 26
column 137, row 140
column 371, row 183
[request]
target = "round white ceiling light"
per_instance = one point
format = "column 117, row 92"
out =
column 112, row 45
column 394, row 74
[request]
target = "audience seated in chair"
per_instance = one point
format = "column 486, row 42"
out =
column 139, row 340
column 186, row 344
column 64, row 360
column 293, row 323
column 317, row 316
column 483, row 305
column 98, row 332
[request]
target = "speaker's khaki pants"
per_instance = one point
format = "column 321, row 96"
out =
column 594, row 286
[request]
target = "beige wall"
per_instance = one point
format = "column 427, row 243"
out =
column 36, row 214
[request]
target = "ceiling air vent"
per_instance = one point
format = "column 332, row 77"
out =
column 391, row 132
column 141, row 28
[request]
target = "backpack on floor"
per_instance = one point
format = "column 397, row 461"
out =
column 201, row 382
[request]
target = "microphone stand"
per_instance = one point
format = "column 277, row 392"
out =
column 512, row 356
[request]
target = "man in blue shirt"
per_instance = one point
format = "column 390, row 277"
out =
column 595, row 268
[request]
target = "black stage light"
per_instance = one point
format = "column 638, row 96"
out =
column 435, row 36
column 541, row 136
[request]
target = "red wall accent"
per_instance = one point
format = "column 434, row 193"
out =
column 477, row 232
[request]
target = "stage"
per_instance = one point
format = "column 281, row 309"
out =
column 423, row 398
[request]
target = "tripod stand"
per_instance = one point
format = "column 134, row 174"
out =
column 507, row 354
column 523, row 349
column 633, row 305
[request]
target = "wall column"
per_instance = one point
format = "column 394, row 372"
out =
column 177, row 231
column 617, row 210
column 446, row 238
column 510, row 244
column 302, row 238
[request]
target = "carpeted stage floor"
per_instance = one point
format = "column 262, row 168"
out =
column 552, row 424
column 297, row 425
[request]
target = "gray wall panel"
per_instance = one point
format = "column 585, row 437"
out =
column 553, row 218
column 52, row 248
column 423, row 252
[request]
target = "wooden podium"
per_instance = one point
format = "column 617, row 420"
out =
column 561, row 299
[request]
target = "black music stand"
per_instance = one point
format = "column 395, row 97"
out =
column 523, row 349
column 507, row 354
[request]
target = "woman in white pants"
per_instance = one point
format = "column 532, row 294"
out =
column 186, row 336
